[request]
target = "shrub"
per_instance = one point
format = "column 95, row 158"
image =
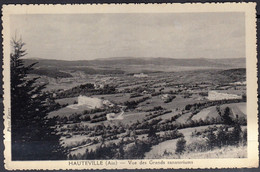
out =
column 222, row 137
column 211, row 140
column 188, row 107
column 225, row 137
column 180, row 146
column 137, row 151
column 102, row 152
column 174, row 134
column 85, row 118
column 166, row 153
column 169, row 99
column 153, row 138
column 236, row 134
column 197, row 146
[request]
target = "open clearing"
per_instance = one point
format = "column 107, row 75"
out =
column 65, row 101
column 66, row 111
column 211, row 112
column 157, row 151
column 224, row 152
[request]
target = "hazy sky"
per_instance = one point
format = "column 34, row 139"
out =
column 91, row 36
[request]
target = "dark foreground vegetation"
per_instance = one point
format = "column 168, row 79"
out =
column 33, row 135
column 136, row 150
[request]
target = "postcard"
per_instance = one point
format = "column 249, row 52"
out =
column 130, row 86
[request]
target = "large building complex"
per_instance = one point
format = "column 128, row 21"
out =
column 214, row 95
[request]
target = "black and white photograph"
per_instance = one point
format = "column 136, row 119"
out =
column 128, row 86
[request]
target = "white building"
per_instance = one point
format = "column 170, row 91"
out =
column 108, row 103
column 113, row 116
column 164, row 96
column 91, row 102
column 238, row 83
column 141, row 75
column 214, row 95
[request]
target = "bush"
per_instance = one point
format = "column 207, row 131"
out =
column 236, row 135
column 168, row 135
column 133, row 104
column 197, row 146
column 137, row 151
column 102, row 152
column 222, row 137
column 211, row 140
column 156, row 108
column 153, row 138
column 180, row 146
column 170, row 99
column 85, row 118
column 225, row 137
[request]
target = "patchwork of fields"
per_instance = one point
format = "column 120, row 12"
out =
column 158, row 108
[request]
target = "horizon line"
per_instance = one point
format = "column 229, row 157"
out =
column 127, row 57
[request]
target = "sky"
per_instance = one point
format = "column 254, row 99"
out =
column 94, row 36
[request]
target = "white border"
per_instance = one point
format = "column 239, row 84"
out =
column 251, row 66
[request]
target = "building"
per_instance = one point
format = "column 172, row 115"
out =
column 141, row 75
column 91, row 102
column 113, row 116
column 164, row 96
column 238, row 83
column 214, row 95
column 108, row 103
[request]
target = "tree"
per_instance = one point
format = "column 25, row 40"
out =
column 32, row 133
column 137, row 151
column 226, row 116
column 222, row 137
column 211, row 140
column 152, row 136
column 236, row 134
column 180, row 146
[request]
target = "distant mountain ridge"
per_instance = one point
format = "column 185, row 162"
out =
column 129, row 65
column 127, row 61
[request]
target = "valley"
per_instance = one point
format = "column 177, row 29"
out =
column 138, row 108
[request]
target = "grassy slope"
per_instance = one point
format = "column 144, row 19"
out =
column 69, row 101
column 224, row 152
column 170, row 145
column 157, row 151
column 237, row 108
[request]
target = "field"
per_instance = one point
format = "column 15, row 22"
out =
column 211, row 112
column 167, row 149
column 225, row 152
column 160, row 101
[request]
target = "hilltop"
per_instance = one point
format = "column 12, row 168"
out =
column 121, row 65
column 200, row 62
